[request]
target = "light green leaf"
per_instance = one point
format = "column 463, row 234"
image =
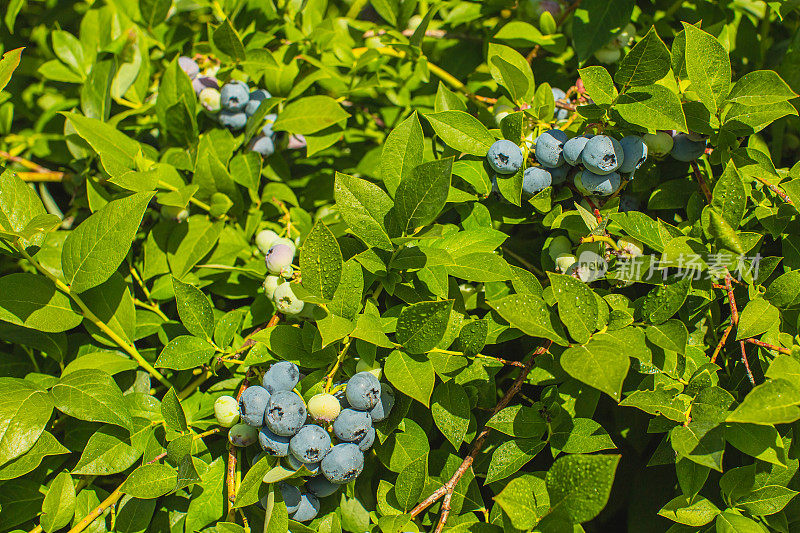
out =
column 708, row 66
column 579, row 485
column 150, row 481
column 402, row 152
column 529, row 313
column 412, row 375
column 310, row 115
column 518, row 500
column 321, row 262
column 108, row 451
column 577, row 306
column 194, row 309
column 91, row 395
column 599, row 85
column 8, row 64
column 25, row 409
column 647, row 62
column 422, row 325
column 757, row 317
column 421, row 196
column 596, row 22
column 19, row 206
column 760, row 88
column 519, row 421
column 461, row 131
column 600, row 364
column 58, row 507
column 185, row 352
column 653, row 107
column 228, row 41
column 450, row 408
column 366, row 209
column 32, row 301
column 510, row 456
column 698, row 512
column 775, row 401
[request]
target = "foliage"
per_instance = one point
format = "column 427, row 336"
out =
column 529, row 397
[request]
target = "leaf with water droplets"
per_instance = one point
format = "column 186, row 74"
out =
column 422, row 325
column 579, row 485
column 321, row 262
column 577, row 305
column 195, row 309
column 600, row 363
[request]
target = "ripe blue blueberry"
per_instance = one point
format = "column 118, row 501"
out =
column 685, row 149
column 262, row 145
column 352, row 425
column 559, row 114
column 320, row 486
column 285, row 300
column 279, row 257
column 504, row 157
column 281, row 376
column 559, row 174
column 204, row 82
column 573, row 149
column 291, row 496
column 602, row 154
column 256, row 97
column 189, row 66
column 275, row 445
column 550, row 147
column 269, row 121
column 369, row 439
column 235, row 96
column 384, row 405
column 308, row 508
column 253, row 404
column 310, row 444
column 598, row 185
column 233, row 120
column 286, row 413
column 363, row 391
column 535, row 179
column 343, row 463
column 634, row 152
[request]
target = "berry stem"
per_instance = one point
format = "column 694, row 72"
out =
column 702, row 181
column 339, row 360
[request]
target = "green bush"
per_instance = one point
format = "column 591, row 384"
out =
column 607, row 345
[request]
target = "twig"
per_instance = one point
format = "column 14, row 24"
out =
column 436, row 34
column 775, row 189
column 701, row 180
column 527, row 264
column 447, row 489
column 721, row 342
column 780, row 349
column 735, row 321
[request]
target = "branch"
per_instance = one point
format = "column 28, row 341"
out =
column 447, row 489
column 775, row 189
column 769, row 346
column 701, row 180
column 735, row 321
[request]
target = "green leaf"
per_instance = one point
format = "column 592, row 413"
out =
column 699, row 443
column 599, row 364
column 45, row 446
column 19, row 206
column 310, row 115
column 785, row 367
column 172, row 411
column 518, row 421
column 599, row 85
column 321, row 262
column 206, row 504
column 447, row 100
column 659, row 402
column 412, row 375
column 729, row 197
column 595, row 22
column 154, row 12
column 410, row 482
column 653, row 107
column 762, row 442
column 248, row 492
column 228, row 41
column 58, row 506
column 664, row 301
column 185, row 352
column 422, row 325
column 518, row 500
column 579, row 485
column 772, row 402
column 8, row 64
column 91, row 395
column 760, row 88
column 731, row 522
column 25, row 409
column 530, row 314
column 98, row 246
column 150, row 481
column 421, row 196
column 194, row 309
column 461, row 131
column 110, row 450
column 117, row 151
column 577, row 306
column 32, row 301
column 696, row 512
column 784, row 291
column 134, row 515
column 511, row 70
column 757, row 317
column 366, row 208
column 647, row 62
column 708, row 67
column 402, row 152
column 766, row 500
column 112, row 303
column 450, row 409
column 193, row 241
column 579, row 435
column 670, row 335
column 510, row 456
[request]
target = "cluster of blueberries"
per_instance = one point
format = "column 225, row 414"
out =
column 233, row 104
column 278, row 256
column 605, row 160
column 276, row 416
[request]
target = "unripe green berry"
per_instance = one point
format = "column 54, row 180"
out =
column 243, row 435
column 174, row 212
column 324, row 407
column 560, row 245
column 264, row 240
column 658, row 144
column 226, row 410
column 270, row 284
column 565, row 261
column 630, row 246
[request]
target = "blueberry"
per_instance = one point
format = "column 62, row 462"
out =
column 559, row 174
column 550, row 147
column 367, row 441
column 504, row 157
column 602, row 155
column 275, row 445
column 384, row 405
column 204, row 82
column 242, row 435
column 321, row 487
column 285, row 300
column 535, row 179
column 264, row 240
column 281, row 376
column 256, row 97
column 343, row 463
column 189, row 66
column 628, row 203
column 279, row 257
column 209, row 99
column 310, row 444
column 685, row 149
column 363, row 391
column 269, row 122
column 659, row 143
column 634, row 152
column 598, row 185
column 296, row 142
column 233, row 120
column 352, row 425
column 253, row 404
column 286, row 413
column 559, row 245
column 559, row 114
column 308, row 508
column 324, row 407
column 270, row 284
column 565, row 261
column 291, row 496
column 573, row 149
column 262, row 145
column 288, row 242
column 226, row 411
column 235, row 96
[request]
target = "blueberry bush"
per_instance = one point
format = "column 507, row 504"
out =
column 399, row 265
